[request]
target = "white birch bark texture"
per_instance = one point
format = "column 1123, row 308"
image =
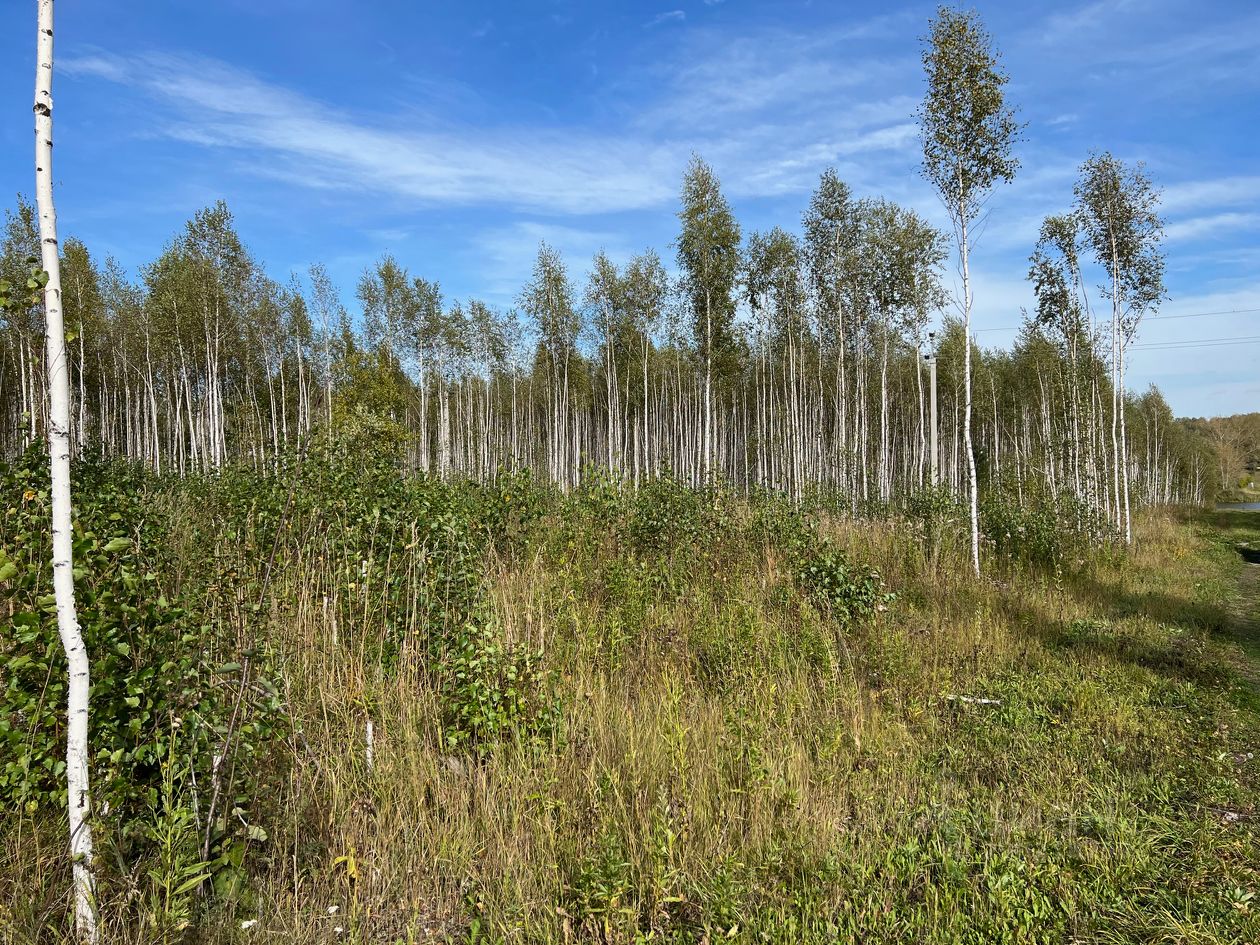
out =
column 77, row 793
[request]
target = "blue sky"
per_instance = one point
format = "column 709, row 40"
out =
column 457, row 135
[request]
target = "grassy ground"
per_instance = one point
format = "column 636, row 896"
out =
column 1040, row 756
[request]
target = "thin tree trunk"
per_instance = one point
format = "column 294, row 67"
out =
column 968, row 446
column 78, row 797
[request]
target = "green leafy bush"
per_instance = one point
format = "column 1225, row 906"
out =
column 406, row 556
column 509, row 507
column 666, row 514
column 1042, row 530
column 493, row 692
column 849, row 592
column 159, row 672
column 941, row 514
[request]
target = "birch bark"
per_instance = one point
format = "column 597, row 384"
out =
column 77, row 776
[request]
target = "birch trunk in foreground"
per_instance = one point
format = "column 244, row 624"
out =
column 77, row 796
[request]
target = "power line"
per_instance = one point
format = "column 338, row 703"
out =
column 1230, row 311
column 1155, row 319
column 1190, row 341
column 1205, row 343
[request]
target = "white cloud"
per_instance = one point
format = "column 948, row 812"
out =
column 669, row 16
column 1070, row 25
column 1213, row 225
column 1206, row 380
column 505, row 254
column 770, row 114
column 306, row 142
column 1218, row 192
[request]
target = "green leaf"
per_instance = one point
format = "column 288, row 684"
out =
column 189, row 884
column 118, row 544
column 7, row 570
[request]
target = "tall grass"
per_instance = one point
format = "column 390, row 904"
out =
column 1057, row 753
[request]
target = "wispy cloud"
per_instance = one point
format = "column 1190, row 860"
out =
column 504, row 254
column 669, row 16
column 770, row 114
column 1217, row 224
column 306, row 142
column 1217, row 192
column 1071, row 25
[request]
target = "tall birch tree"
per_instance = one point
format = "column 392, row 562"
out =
column 969, row 133
column 1118, row 207
column 708, row 254
column 78, row 794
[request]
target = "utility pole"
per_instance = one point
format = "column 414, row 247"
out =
column 930, row 358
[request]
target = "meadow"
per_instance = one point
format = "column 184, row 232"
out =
column 332, row 702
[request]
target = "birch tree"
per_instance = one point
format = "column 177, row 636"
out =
column 831, row 227
column 969, row 133
column 708, row 254
column 548, row 300
column 78, row 794
column 1118, row 207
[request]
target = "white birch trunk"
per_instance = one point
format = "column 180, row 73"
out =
column 968, row 447
column 77, row 777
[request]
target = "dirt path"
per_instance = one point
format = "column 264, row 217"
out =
column 1245, row 616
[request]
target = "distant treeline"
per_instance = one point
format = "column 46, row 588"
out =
column 774, row 360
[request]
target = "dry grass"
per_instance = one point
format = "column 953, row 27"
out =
column 734, row 765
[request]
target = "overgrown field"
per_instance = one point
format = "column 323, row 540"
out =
column 665, row 715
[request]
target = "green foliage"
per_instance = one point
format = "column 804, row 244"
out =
column 968, row 128
column 493, row 692
column 409, row 554
column 941, row 515
column 708, row 255
column 509, row 508
column 1044, row 531
column 177, row 869
column 665, row 515
column 993, row 761
column 849, row 592
column 157, row 667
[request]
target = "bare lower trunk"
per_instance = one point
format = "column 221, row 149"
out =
column 967, row 444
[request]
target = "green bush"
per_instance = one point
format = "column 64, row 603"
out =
column 666, row 514
column 494, row 693
column 160, row 673
column 849, row 592
column 1042, row 530
column 407, row 557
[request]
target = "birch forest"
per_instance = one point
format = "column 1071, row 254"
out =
column 737, row 590
column 790, row 361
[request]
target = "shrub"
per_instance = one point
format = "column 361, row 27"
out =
column 159, row 671
column 665, row 514
column 508, row 508
column 1041, row 530
column 940, row 513
column 405, row 560
column 849, row 592
column 493, row 692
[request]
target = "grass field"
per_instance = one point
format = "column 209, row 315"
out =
column 689, row 737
